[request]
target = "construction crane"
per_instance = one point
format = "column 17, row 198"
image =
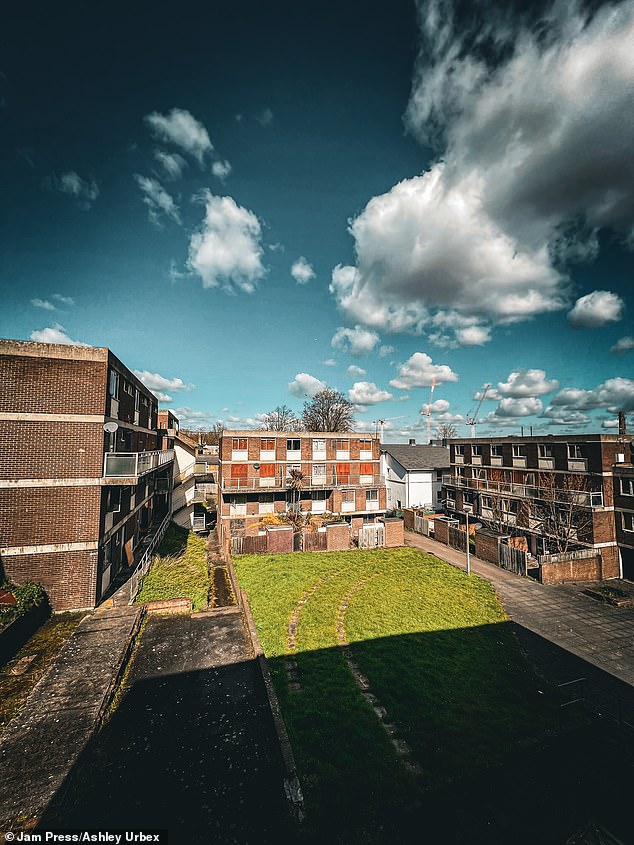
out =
column 472, row 419
column 426, row 412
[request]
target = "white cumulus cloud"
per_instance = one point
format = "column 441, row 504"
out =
column 302, row 271
column 221, row 169
column 180, row 128
column 534, row 158
column 172, row 163
column 355, row 372
column 623, row 345
column 526, row 383
column 54, row 334
column 44, row 304
column 367, row 393
column 306, row 385
column 159, row 202
column 358, row 341
column 227, row 251
column 596, row 309
column 420, row 371
column 155, row 381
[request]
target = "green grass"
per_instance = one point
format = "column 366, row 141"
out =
column 439, row 654
column 179, row 570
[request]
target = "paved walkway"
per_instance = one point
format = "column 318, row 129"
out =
column 191, row 747
column 556, row 622
column 42, row 743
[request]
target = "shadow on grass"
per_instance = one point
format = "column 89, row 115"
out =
column 196, row 753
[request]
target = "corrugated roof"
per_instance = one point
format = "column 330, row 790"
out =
column 418, row 457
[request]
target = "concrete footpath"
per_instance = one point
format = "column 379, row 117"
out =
column 557, row 623
column 43, row 742
column 191, row 746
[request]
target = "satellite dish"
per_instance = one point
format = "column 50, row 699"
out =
column 110, row 427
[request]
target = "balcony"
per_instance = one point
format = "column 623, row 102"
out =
column 315, row 482
column 578, row 464
column 583, row 498
column 134, row 464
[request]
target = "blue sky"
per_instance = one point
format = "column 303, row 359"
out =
column 246, row 203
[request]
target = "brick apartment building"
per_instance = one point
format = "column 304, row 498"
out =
column 624, row 512
column 341, row 475
column 75, row 498
column 511, row 482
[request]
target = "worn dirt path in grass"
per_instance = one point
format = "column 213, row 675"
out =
column 192, row 746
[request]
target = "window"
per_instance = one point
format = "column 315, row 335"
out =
column 238, row 506
column 459, row 447
column 267, row 470
column 343, row 472
column 144, row 401
column 266, row 503
column 238, row 470
column 267, row 444
column 371, row 500
column 291, row 467
column 319, row 495
column 239, row 444
column 293, row 445
column 127, row 387
column 365, row 445
column 319, row 471
column 319, row 446
column 114, row 499
column 479, row 474
column 113, row 384
column 518, row 451
column 476, row 450
column 627, row 520
column 342, row 445
column 366, row 468
column 348, row 496
column 496, row 450
column 545, row 450
column 487, row 502
column 627, row 486
column 574, row 451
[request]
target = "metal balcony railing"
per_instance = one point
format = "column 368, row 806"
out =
column 310, row 482
column 584, row 498
column 134, row 464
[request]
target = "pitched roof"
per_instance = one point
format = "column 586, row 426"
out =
column 418, row 457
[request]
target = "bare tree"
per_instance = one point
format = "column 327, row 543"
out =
column 446, row 431
column 328, row 410
column 205, row 437
column 562, row 509
column 281, row 419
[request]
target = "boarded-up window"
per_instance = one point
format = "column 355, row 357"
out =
column 238, row 470
column 239, row 443
column 366, row 468
column 267, row 470
column 267, row 445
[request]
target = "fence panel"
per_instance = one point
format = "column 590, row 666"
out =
column 236, row 545
column 372, row 536
column 298, row 541
column 512, row 559
column 314, row 541
column 457, row 539
column 254, row 545
column 421, row 525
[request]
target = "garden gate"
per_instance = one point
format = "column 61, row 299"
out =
column 372, row 536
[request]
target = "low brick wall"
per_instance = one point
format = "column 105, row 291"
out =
column 441, row 531
column 337, row 537
column 169, row 607
column 394, row 532
column 584, row 569
column 486, row 545
column 355, row 524
column 279, row 540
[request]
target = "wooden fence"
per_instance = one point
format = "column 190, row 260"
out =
column 457, row 539
column 515, row 560
column 372, row 536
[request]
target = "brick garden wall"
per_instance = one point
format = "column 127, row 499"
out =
column 69, row 578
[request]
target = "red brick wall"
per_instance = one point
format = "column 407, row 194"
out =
column 50, row 449
column 279, row 540
column 394, row 533
column 486, row 547
column 587, row 569
column 32, row 516
column 441, row 531
column 69, row 578
column 52, row 386
column 337, row 538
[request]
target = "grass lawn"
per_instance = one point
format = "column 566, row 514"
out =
column 439, row 654
column 179, row 570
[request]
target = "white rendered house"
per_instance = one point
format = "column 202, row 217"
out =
column 413, row 474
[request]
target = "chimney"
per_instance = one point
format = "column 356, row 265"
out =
column 412, row 441
column 622, row 425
